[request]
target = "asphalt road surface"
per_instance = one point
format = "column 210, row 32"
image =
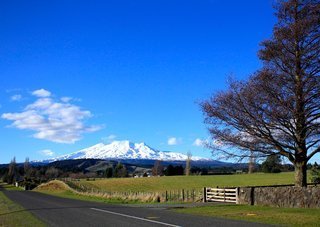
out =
column 56, row 211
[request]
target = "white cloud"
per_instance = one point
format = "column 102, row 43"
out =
column 112, row 137
column 16, row 97
column 41, row 93
column 51, row 120
column 47, row 152
column 198, row 142
column 66, row 99
column 173, row 141
column 109, row 138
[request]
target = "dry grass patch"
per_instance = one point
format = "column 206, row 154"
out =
column 60, row 188
column 55, row 186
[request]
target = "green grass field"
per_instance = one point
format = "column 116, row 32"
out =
column 161, row 184
column 11, row 214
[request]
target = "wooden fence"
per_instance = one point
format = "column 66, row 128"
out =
column 225, row 195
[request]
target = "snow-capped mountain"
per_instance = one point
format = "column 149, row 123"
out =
column 124, row 150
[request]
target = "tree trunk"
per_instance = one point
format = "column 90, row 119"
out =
column 251, row 164
column 300, row 174
column 250, row 167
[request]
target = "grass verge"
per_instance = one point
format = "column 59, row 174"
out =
column 260, row 214
column 59, row 188
column 11, row 214
column 91, row 198
column 10, row 187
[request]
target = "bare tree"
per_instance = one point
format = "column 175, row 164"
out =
column 52, row 173
column 26, row 168
column 12, row 172
column 251, row 165
column 277, row 110
column 157, row 169
column 188, row 164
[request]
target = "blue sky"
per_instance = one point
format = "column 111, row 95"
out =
column 123, row 70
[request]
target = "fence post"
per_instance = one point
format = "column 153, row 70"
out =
column 166, row 196
column 204, row 194
column 237, row 195
column 252, row 196
column 182, row 195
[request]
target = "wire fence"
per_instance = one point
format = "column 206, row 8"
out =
column 182, row 195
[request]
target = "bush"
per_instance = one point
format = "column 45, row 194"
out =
column 315, row 174
column 272, row 164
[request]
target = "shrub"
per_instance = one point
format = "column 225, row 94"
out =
column 315, row 174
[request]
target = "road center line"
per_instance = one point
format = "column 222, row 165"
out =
column 129, row 216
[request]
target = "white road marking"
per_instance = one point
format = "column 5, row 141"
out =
column 129, row 216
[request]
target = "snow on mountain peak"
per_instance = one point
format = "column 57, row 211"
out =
column 124, row 150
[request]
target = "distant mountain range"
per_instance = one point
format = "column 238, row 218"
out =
column 125, row 150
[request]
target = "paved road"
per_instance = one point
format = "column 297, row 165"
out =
column 55, row 211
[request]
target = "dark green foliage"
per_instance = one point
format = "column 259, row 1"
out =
column 315, row 173
column 272, row 164
column 169, row 171
column 174, row 170
column 109, row 172
column 120, row 171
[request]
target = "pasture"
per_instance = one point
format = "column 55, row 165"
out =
column 162, row 184
column 160, row 189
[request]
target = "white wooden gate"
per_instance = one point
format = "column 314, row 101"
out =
column 225, row 195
